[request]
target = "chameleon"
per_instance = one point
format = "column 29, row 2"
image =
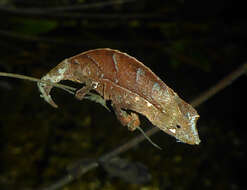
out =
column 132, row 89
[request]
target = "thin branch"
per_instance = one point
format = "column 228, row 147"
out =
column 77, row 7
column 77, row 13
column 223, row 83
column 98, row 16
column 84, row 43
column 61, row 86
column 80, row 170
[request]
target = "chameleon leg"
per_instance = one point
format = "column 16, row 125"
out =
column 82, row 92
column 130, row 120
column 97, row 98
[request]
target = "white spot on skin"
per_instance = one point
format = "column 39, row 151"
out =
column 54, row 79
column 139, row 72
column 93, row 60
column 57, row 78
column 115, row 62
column 76, row 61
column 156, row 87
column 95, row 84
column 149, row 104
column 137, row 98
column 172, row 130
column 157, row 92
column 62, row 71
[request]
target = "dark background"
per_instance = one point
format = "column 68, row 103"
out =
column 189, row 45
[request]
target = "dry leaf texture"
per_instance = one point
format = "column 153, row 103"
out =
column 130, row 85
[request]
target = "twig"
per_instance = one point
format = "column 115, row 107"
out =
column 78, row 7
column 72, row 176
column 61, row 86
column 79, row 171
column 97, row 16
column 84, row 43
column 75, row 12
column 138, row 139
column 220, row 85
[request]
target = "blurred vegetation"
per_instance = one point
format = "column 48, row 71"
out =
column 189, row 45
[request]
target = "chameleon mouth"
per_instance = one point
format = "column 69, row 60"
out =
column 194, row 130
column 187, row 135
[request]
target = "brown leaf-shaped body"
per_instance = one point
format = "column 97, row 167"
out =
column 130, row 85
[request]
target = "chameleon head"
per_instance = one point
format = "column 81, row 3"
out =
column 179, row 120
column 184, row 125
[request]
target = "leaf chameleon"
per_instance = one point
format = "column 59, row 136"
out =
column 130, row 85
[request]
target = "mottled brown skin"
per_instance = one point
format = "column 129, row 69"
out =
column 129, row 85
